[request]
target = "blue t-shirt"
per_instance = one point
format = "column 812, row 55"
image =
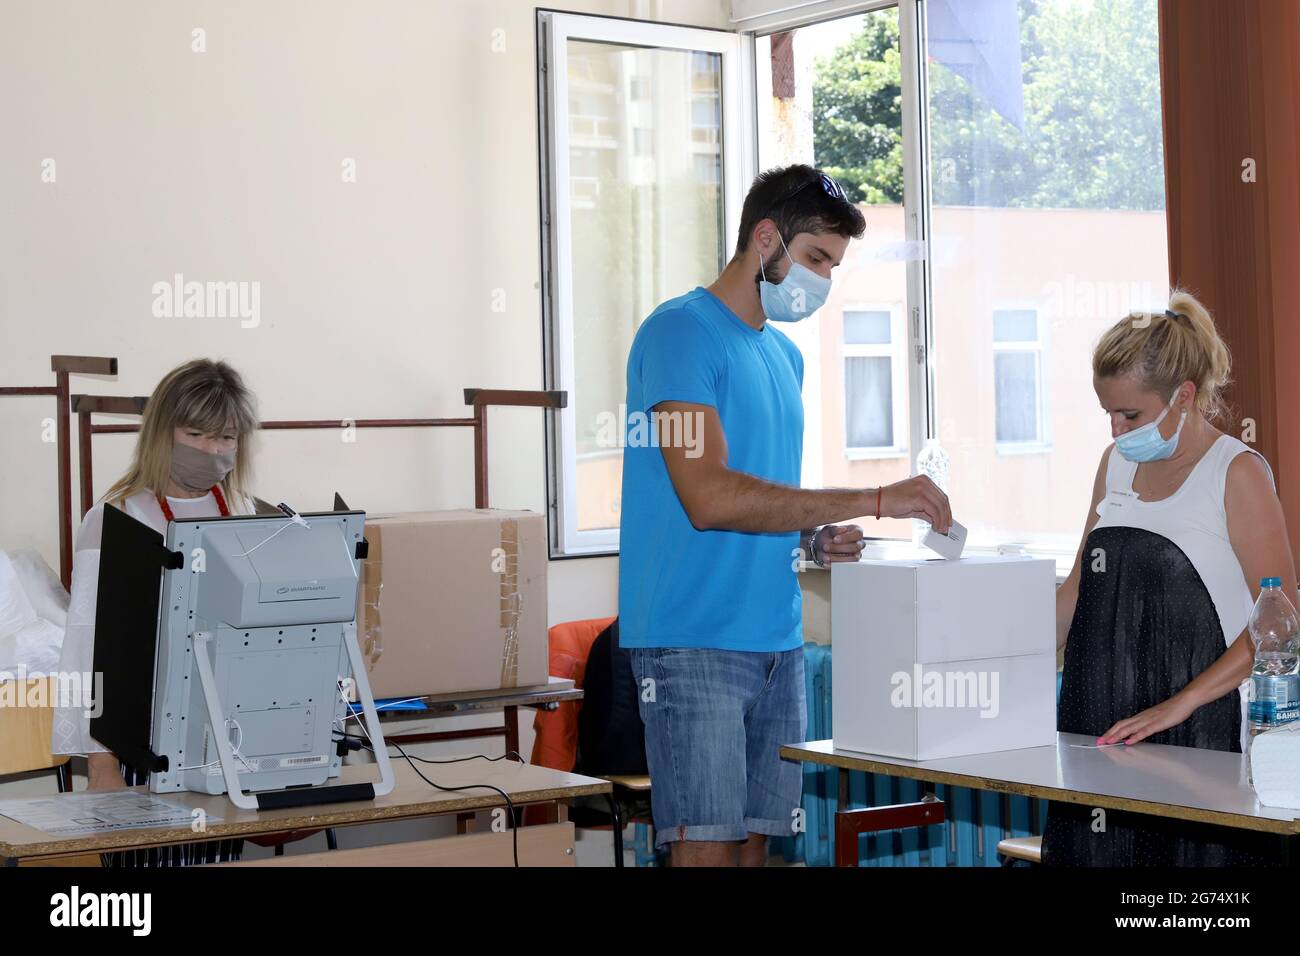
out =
column 679, row 587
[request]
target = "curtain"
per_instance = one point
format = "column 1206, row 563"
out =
column 1230, row 79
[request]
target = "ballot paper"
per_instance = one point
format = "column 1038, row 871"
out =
column 949, row 545
column 78, row 814
column 1275, row 766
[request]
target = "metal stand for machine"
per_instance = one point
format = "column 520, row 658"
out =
column 302, row 796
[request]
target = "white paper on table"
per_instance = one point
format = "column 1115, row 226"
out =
column 76, row 814
column 1118, row 743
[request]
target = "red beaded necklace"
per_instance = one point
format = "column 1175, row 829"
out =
column 216, row 493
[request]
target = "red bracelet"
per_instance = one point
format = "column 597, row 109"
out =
column 879, row 489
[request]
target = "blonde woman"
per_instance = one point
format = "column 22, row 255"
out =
column 1184, row 523
column 192, row 460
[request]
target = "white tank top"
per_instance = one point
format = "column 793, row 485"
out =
column 1195, row 519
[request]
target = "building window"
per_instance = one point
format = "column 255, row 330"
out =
column 1018, row 377
column 873, row 378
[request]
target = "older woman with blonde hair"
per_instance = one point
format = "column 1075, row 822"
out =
column 192, row 460
column 1184, row 523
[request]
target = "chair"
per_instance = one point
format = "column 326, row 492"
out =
column 644, row 843
column 278, row 840
column 556, row 742
column 1029, row 849
column 26, row 731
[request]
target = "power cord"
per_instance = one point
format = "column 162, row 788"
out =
column 510, row 806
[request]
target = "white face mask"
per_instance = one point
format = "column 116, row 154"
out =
column 801, row 293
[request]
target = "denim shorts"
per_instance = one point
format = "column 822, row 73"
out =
column 715, row 721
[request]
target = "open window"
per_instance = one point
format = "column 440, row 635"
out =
column 645, row 163
column 1007, row 157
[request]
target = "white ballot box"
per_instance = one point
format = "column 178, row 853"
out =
column 936, row 658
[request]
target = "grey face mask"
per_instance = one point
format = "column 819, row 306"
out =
column 196, row 470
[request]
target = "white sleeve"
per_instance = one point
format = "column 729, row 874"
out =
column 71, row 726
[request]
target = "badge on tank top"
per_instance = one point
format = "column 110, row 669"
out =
column 1116, row 498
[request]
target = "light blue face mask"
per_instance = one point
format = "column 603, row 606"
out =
column 1145, row 443
column 801, row 293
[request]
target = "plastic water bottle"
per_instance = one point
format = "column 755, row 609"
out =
column 932, row 461
column 1274, row 680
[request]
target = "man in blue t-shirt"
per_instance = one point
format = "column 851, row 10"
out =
column 714, row 523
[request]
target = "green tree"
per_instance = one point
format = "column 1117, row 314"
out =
column 1092, row 134
column 858, row 112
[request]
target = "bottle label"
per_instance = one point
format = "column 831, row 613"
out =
column 1274, row 699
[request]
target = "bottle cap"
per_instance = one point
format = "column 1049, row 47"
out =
column 1270, row 582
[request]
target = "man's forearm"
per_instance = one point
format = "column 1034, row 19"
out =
column 735, row 501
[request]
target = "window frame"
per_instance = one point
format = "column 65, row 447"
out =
column 917, row 311
column 896, row 352
column 1038, row 347
column 738, row 143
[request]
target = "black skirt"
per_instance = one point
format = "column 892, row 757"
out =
column 1143, row 628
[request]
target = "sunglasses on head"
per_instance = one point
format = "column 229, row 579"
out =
column 829, row 186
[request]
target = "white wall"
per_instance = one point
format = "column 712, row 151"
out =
column 376, row 296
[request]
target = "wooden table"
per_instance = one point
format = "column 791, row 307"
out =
column 451, row 705
column 411, row 798
column 1184, row 783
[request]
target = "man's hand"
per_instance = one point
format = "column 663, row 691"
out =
column 838, row 542
column 917, row 497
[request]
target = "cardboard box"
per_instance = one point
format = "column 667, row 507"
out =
column 936, row 658
column 454, row 601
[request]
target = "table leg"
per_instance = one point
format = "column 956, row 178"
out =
column 512, row 729
column 849, row 824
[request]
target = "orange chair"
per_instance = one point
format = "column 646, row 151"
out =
column 556, row 743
